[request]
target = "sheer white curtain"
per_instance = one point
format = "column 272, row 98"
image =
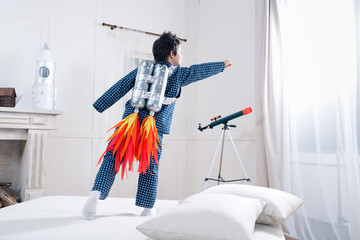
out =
column 120, row 53
column 311, row 113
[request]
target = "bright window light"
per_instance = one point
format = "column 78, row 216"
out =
column 319, row 59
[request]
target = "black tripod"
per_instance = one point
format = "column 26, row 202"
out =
column 222, row 139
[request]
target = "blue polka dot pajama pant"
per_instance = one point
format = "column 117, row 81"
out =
column 147, row 185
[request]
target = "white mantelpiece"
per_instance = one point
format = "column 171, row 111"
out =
column 31, row 126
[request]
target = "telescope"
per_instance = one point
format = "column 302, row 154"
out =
column 218, row 120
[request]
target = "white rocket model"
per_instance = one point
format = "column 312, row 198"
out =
column 43, row 90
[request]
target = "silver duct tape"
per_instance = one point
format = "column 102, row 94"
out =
column 141, row 84
column 150, row 86
column 168, row 101
column 158, row 87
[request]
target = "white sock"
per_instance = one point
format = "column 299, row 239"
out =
column 149, row 212
column 89, row 209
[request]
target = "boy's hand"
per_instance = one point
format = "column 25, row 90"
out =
column 227, row 63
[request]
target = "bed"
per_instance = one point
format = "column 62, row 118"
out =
column 59, row 217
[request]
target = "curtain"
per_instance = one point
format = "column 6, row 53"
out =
column 310, row 110
column 119, row 53
column 271, row 96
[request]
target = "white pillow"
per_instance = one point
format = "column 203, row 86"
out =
column 208, row 216
column 280, row 205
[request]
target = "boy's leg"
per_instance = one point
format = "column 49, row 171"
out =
column 147, row 185
column 103, row 182
column 106, row 175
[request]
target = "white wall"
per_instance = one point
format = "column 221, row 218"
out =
column 228, row 34
column 75, row 36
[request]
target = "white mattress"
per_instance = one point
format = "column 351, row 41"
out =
column 59, row 217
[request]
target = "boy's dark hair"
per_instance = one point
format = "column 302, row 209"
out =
column 163, row 46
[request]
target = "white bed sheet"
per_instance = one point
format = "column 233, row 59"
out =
column 59, row 217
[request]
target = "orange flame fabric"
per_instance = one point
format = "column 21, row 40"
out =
column 124, row 143
column 148, row 145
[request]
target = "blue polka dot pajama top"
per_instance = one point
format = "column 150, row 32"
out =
column 181, row 76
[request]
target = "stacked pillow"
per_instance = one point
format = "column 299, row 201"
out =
column 222, row 212
column 279, row 205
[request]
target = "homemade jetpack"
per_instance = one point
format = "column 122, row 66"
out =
column 130, row 140
column 216, row 121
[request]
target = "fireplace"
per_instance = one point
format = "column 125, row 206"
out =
column 23, row 145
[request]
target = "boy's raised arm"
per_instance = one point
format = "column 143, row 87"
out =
column 201, row 71
column 116, row 92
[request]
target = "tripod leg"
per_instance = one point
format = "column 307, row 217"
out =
column 212, row 163
column 221, row 156
column 237, row 154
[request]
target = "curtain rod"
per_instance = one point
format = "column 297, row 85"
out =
column 149, row 33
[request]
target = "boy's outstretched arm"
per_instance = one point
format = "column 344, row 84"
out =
column 201, row 71
column 117, row 91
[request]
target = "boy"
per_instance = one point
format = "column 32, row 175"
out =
column 166, row 50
